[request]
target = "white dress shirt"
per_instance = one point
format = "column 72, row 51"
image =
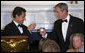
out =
column 44, row 36
column 65, row 27
column 20, row 28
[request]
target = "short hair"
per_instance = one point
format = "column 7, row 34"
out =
column 18, row 11
column 41, row 42
column 49, row 45
column 62, row 6
column 73, row 35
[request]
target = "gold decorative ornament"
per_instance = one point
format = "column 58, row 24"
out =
column 74, row 2
column 14, row 44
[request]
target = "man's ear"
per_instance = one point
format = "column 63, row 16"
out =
column 17, row 16
column 64, row 11
column 82, row 43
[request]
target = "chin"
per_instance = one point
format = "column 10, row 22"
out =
column 21, row 22
column 75, row 47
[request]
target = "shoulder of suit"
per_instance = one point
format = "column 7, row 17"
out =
column 76, row 19
column 25, row 26
column 57, row 21
column 10, row 24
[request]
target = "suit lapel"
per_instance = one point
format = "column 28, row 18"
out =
column 60, row 31
column 69, row 28
column 16, row 28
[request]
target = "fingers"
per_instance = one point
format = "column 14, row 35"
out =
column 31, row 26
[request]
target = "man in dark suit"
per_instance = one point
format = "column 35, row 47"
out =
column 65, row 26
column 16, row 27
column 42, row 33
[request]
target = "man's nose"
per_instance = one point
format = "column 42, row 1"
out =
column 56, row 14
column 24, row 18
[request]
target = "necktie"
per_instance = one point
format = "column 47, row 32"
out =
column 20, row 25
column 64, row 20
column 20, row 28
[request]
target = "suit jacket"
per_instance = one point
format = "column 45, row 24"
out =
column 48, row 35
column 76, row 25
column 12, row 29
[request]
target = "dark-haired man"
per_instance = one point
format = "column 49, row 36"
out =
column 16, row 27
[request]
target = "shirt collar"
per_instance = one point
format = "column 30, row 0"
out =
column 45, row 36
column 16, row 23
column 68, row 18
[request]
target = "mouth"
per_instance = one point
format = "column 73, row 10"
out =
column 75, row 46
column 22, row 20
